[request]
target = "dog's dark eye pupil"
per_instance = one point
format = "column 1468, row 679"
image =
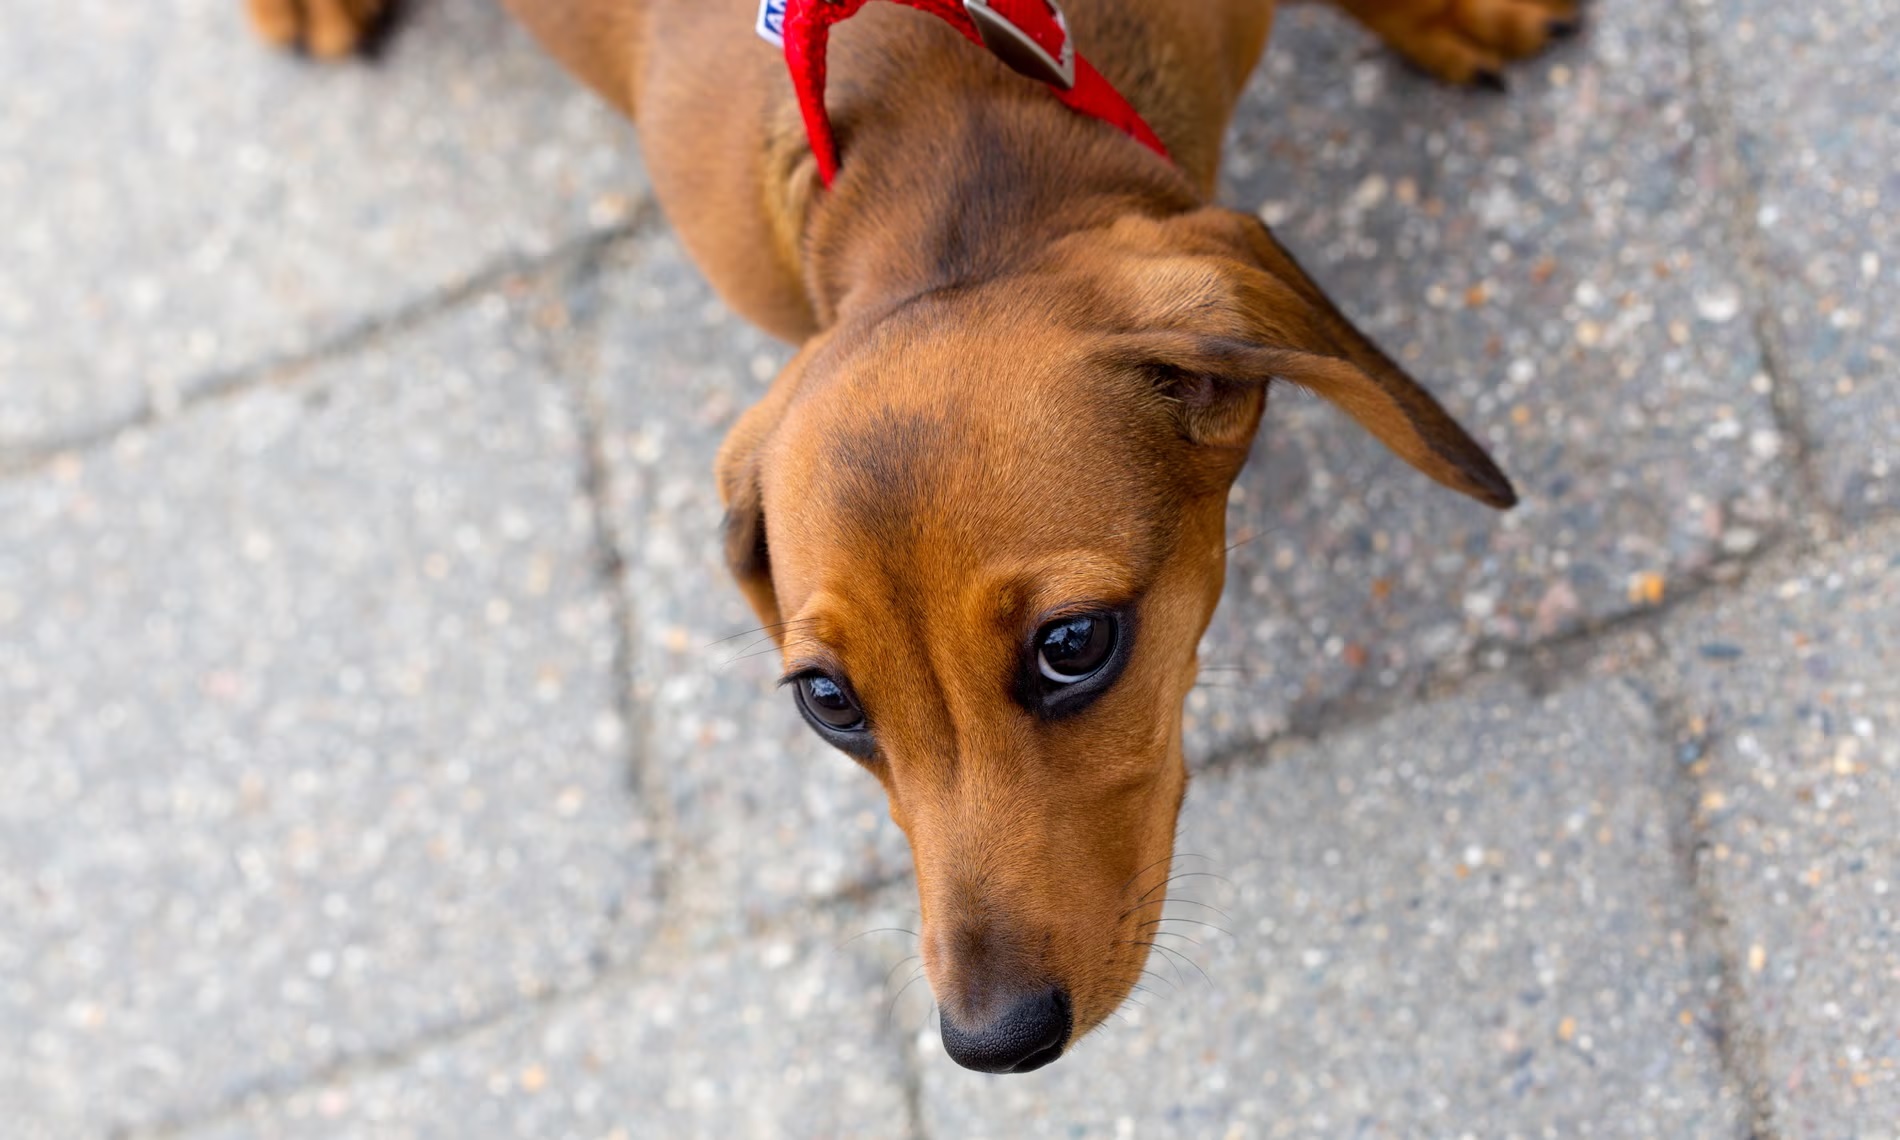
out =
column 828, row 701
column 1073, row 648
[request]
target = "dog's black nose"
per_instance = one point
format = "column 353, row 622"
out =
column 1027, row 1036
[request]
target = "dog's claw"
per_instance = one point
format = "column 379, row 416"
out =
column 1562, row 29
column 1490, row 81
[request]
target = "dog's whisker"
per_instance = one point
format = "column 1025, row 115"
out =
column 876, row 930
column 786, row 624
column 1182, row 937
column 1170, row 861
column 935, row 1011
column 1199, row 903
column 891, row 1013
column 793, row 642
column 1183, row 875
column 734, row 660
column 1146, row 943
column 1241, row 678
column 765, row 652
column 1180, row 874
column 1156, row 977
column 1195, row 921
column 745, row 651
column 1166, row 899
column 899, row 966
column 1159, row 862
column 771, row 635
column 1176, row 953
column 758, row 648
column 1141, row 906
column 1256, row 536
column 1150, row 944
column 1148, row 868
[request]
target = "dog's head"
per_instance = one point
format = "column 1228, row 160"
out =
column 986, row 527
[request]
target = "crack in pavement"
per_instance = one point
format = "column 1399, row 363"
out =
column 365, row 333
column 570, row 359
column 533, row 1007
column 1542, row 663
column 1713, row 108
column 1740, row 1045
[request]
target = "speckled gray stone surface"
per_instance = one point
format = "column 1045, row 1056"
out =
column 764, row 814
column 319, row 814
column 1553, row 264
column 1809, row 89
column 1470, row 917
column 782, row 1037
column 181, row 202
column 309, row 723
column 1795, row 690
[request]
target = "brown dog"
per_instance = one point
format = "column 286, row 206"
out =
column 982, row 510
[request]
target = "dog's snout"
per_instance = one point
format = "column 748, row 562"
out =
column 1026, row 1036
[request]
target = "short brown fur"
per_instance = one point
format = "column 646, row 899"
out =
column 1033, row 357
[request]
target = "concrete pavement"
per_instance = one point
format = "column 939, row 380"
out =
column 373, row 761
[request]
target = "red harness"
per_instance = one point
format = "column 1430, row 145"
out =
column 1029, row 35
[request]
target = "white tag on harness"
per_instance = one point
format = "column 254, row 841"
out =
column 771, row 25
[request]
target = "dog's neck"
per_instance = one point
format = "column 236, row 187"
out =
column 963, row 187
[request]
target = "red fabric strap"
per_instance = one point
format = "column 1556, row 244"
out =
column 808, row 31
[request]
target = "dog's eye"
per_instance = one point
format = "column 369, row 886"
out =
column 1073, row 661
column 1072, row 649
column 828, row 703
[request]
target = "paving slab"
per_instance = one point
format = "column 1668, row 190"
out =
column 1468, row 919
column 1808, row 88
column 182, row 203
column 783, row 1038
column 308, row 707
column 1794, row 691
column 1553, row 263
column 765, row 815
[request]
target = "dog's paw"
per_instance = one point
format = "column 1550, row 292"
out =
column 1468, row 42
column 327, row 29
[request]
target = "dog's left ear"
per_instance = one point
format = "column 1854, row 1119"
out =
column 1276, row 324
column 748, row 555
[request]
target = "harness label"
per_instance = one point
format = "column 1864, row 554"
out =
column 771, row 25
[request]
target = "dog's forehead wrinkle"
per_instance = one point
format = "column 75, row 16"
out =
column 919, row 474
column 878, row 471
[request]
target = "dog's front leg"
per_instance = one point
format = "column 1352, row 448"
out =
column 1465, row 41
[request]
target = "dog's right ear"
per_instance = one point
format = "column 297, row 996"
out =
column 748, row 554
column 1268, row 321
